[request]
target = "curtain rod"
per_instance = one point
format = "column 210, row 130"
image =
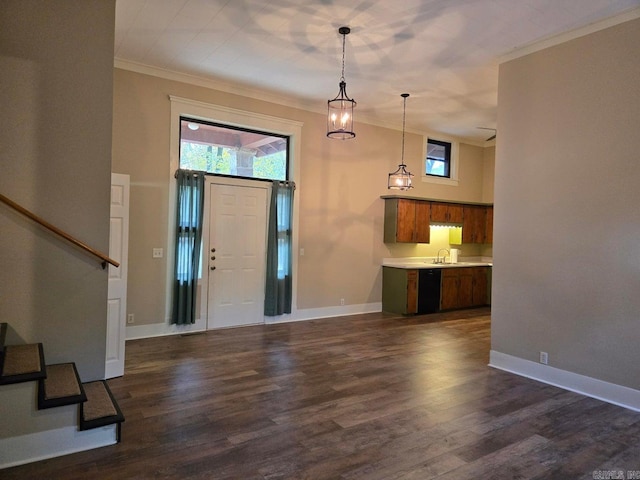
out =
column 208, row 174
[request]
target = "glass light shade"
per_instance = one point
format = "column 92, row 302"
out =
column 340, row 115
column 400, row 179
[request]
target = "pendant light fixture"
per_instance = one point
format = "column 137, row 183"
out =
column 340, row 109
column 401, row 178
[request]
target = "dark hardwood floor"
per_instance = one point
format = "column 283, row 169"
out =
column 369, row 397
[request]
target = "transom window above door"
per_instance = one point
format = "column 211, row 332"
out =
column 233, row 151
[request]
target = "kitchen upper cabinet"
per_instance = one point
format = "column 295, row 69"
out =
column 406, row 221
column 446, row 212
column 474, row 224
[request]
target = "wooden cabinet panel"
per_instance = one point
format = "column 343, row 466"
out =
column 449, row 290
column 422, row 222
column 406, row 220
column 455, row 213
column 480, row 286
column 446, row 212
column 412, row 291
column 473, row 224
column 464, row 287
column 488, row 230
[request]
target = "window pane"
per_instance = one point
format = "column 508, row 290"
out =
column 438, row 161
column 232, row 151
column 435, row 167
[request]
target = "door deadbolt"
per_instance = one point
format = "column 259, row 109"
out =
column 213, row 250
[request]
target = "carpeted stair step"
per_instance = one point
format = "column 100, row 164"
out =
column 61, row 387
column 101, row 408
column 22, row 363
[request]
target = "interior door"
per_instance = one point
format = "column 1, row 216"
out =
column 236, row 255
column 117, row 288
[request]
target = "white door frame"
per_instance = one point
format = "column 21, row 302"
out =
column 240, row 118
column 204, row 281
column 117, row 283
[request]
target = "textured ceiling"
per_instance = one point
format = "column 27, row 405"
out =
column 443, row 52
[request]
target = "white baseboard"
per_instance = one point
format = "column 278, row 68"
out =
column 326, row 312
column 162, row 329
column 33, row 447
column 591, row 387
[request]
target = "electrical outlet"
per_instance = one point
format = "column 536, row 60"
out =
column 302, row 252
column 544, row 358
column 157, row 253
column 342, row 301
column 130, row 318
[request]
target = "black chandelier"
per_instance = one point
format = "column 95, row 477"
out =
column 340, row 109
column 401, row 178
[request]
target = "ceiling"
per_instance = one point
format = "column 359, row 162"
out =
column 445, row 53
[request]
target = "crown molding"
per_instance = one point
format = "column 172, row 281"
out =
column 244, row 90
column 554, row 40
column 234, row 88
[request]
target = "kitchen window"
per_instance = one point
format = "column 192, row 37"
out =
column 438, row 160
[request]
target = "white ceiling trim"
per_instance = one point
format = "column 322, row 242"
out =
column 554, row 40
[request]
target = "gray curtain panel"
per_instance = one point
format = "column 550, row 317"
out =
column 279, row 277
column 188, row 236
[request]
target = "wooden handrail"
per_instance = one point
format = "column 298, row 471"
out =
column 105, row 259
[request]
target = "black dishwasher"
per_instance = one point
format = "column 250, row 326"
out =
column 429, row 290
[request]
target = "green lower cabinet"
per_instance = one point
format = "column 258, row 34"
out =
column 460, row 287
column 399, row 290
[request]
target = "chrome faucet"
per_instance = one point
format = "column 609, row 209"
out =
column 437, row 260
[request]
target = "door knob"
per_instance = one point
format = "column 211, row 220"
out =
column 213, row 250
column 213, row 257
column 213, row 268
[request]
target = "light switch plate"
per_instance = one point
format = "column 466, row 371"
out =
column 157, row 253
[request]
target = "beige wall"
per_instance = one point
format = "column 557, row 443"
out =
column 56, row 64
column 489, row 172
column 56, row 72
column 340, row 185
column 567, row 224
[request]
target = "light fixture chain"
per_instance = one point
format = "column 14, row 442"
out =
column 344, row 36
column 404, row 114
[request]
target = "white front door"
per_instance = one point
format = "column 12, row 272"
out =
column 236, row 255
column 117, row 289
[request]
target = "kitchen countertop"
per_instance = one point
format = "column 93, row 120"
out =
column 419, row 263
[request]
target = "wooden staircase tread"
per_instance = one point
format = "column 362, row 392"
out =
column 22, row 363
column 62, row 386
column 101, row 408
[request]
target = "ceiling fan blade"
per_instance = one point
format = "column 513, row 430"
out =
column 488, row 128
